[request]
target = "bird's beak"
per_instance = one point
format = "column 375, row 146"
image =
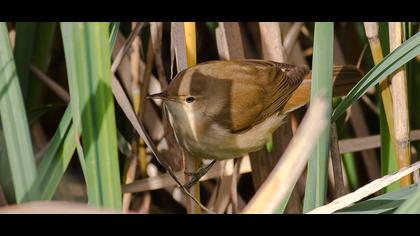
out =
column 163, row 95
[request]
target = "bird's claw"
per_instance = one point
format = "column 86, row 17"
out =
column 196, row 176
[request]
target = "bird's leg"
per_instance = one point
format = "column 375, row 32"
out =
column 196, row 176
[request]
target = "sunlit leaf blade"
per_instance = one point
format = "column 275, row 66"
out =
column 407, row 51
column 316, row 183
column 74, row 66
column 381, row 204
column 15, row 124
column 88, row 63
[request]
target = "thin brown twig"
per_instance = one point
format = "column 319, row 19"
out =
column 152, row 121
column 51, row 84
column 146, row 78
column 336, row 163
column 359, row 61
column 223, row 197
column 370, row 104
column 291, row 38
column 368, row 142
column 414, row 159
column 41, row 152
column 156, row 30
column 361, row 129
column 127, row 45
column 129, row 178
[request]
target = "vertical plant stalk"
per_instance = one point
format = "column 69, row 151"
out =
column 229, row 41
column 131, row 162
column 322, row 68
column 400, row 105
column 291, row 38
column 271, row 42
column 296, row 55
column 15, row 125
column 147, row 75
column 233, row 188
column 192, row 164
column 372, row 33
column 129, row 175
column 413, row 80
column 389, row 162
column 336, row 163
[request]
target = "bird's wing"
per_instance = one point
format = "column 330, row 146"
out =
column 280, row 87
column 261, row 89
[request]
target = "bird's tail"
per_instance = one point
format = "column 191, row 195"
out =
column 345, row 77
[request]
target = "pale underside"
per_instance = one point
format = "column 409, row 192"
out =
column 220, row 143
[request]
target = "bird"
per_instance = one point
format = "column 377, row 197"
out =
column 224, row 109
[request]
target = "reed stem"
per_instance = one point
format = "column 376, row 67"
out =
column 400, row 105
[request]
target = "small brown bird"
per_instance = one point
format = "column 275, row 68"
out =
column 225, row 109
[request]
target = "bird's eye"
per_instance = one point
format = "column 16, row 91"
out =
column 189, row 99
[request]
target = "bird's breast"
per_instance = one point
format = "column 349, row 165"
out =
column 206, row 139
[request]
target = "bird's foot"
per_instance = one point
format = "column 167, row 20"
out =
column 196, row 176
